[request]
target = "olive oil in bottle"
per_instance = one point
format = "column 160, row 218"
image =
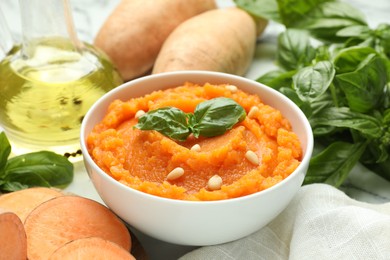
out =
column 46, row 87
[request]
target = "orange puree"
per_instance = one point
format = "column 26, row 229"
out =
column 143, row 159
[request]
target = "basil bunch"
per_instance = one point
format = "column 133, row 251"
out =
column 341, row 83
column 43, row 168
column 210, row 118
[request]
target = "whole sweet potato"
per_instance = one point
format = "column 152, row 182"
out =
column 134, row 32
column 221, row 40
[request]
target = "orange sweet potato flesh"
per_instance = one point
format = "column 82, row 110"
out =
column 91, row 248
column 135, row 31
column 24, row 201
column 143, row 159
column 13, row 243
column 220, row 40
column 63, row 219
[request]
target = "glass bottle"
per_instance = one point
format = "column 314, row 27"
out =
column 49, row 83
column 6, row 42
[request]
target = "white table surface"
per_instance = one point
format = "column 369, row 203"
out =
column 89, row 15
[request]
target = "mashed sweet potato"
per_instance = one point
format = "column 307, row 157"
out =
column 143, row 159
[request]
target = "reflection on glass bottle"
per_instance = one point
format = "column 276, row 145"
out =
column 48, row 85
column 6, row 41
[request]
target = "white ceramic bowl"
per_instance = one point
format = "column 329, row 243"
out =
column 192, row 222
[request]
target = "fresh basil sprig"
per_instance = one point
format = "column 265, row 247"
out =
column 210, row 118
column 44, row 168
column 337, row 70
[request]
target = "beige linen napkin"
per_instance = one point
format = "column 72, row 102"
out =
column 321, row 222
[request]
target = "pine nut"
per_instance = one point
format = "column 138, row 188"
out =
column 231, row 88
column 195, row 148
column 139, row 113
column 252, row 157
column 214, row 183
column 175, row 174
column 253, row 112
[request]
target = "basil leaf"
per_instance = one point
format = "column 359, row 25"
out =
column 349, row 59
column 39, row 169
column 323, row 53
column 386, row 118
column 334, row 163
column 330, row 17
column 364, row 87
column 359, row 31
column 169, row 121
column 378, row 150
column 5, row 151
column 323, row 102
column 304, row 106
column 343, row 117
column 347, row 106
column 267, row 9
column 277, row 79
column 293, row 12
column 211, row 118
column 12, row 186
column 294, row 49
column 215, row 116
column 382, row 168
column 383, row 39
column 311, row 82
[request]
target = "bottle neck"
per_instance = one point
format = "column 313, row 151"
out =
column 45, row 19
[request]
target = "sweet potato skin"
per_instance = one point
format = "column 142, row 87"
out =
column 63, row 219
column 22, row 202
column 135, row 31
column 221, row 40
column 13, row 242
column 90, row 248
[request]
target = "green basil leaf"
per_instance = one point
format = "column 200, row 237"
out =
column 386, row 118
column 169, row 121
column 330, row 17
column 292, row 94
column 382, row 168
column 293, row 12
column 311, row 82
column 349, row 59
column 39, row 169
column 334, row 163
column 323, row 102
column 323, row 53
column 377, row 150
column 216, row 116
column 343, row 117
column 5, row 150
column 294, row 49
column 345, row 109
column 382, row 39
column 277, row 79
column 358, row 31
column 364, row 88
column 12, row 186
column 267, row 9
column 210, row 118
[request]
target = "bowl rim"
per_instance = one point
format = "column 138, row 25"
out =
column 88, row 159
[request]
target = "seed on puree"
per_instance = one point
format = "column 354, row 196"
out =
column 254, row 154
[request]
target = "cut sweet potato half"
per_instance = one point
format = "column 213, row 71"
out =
column 13, row 243
column 22, row 202
column 66, row 218
column 91, row 248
